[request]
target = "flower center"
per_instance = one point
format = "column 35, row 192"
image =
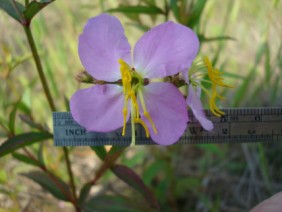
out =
column 133, row 84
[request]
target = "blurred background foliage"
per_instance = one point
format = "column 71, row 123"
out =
column 243, row 39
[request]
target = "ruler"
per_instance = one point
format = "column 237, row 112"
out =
column 236, row 126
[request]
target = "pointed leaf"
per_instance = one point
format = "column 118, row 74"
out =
column 24, row 108
column 13, row 8
column 109, row 160
column 25, row 159
column 218, row 38
column 137, row 9
column 40, row 154
column 28, row 119
column 132, row 179
column 141, row 27
column 34, row 7
column 21, row 140
column 115, row 150
column 100, row 151
column 196, row 13
column 175, row 9
column 50, row 183
column 84, row 193
column 67, row 103
column 152, row 171
column 12, row 118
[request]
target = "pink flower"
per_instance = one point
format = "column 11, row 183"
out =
column 194, row 102
column 158, row 106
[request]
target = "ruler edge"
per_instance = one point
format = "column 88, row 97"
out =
column 253, row 111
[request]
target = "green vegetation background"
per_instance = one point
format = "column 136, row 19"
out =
column 243, row 39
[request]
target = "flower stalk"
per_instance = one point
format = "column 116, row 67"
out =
column 50, row 102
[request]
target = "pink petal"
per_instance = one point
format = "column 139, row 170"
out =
column 168, row 110
column 165, row 50
column 195, row 104
column 98, row 108
column 100, row 46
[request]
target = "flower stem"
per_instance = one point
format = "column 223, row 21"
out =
column 39, row 67
column 50, row 102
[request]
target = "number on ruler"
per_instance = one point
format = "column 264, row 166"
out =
column 251, row 132
column 258, row 118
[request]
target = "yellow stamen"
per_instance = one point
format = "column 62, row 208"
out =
column 146, row 113
column 132, row 127
column 144, row 126
column 132, row 84
column 124, row 111
column 214, row 109
column 134, row 102
column 216, row 80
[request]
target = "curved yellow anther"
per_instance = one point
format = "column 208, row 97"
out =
column 214, row 109
column 124, row 111
column 126, row 82
column 134, row 102
column 216, row 80
column 132, row 84
column 214, row 74
column 145, row 112
column 147, row 115
column 144, row 126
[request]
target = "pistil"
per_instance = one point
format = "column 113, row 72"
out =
column 132, row 84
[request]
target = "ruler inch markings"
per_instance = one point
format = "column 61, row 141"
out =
column 238, row 125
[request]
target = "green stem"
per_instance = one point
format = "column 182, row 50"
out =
column 39, row 67
column 50, row 101
column 166, row 13
column 73, row 188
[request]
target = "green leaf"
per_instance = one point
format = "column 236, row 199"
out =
column 196, row 13
column 175, row 9
column 12, row 118
column 84, row 193
column 25, row 159
column 132, row 179
column 50, row 183
column 4, row 126
column 141, row 27
column 189, row 184
column 152, row 170
column 137, row 9
column 67, row 103
column 40, row 154
column 107, row 203
column 212, row 148
column 115, row 150
column 202, row 38
column 21, row 140
column 28, row 119
column 100, row 151
column 13, row 8
column 24, row 108
column 34, row 7
column 149, row 2
column 109, row 160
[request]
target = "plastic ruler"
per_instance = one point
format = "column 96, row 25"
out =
column 236, row 126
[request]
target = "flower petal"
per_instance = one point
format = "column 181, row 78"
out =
column 168, row 110
column 100, row 46
column 195, row 104
column 98, row 108
column 165, row 50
